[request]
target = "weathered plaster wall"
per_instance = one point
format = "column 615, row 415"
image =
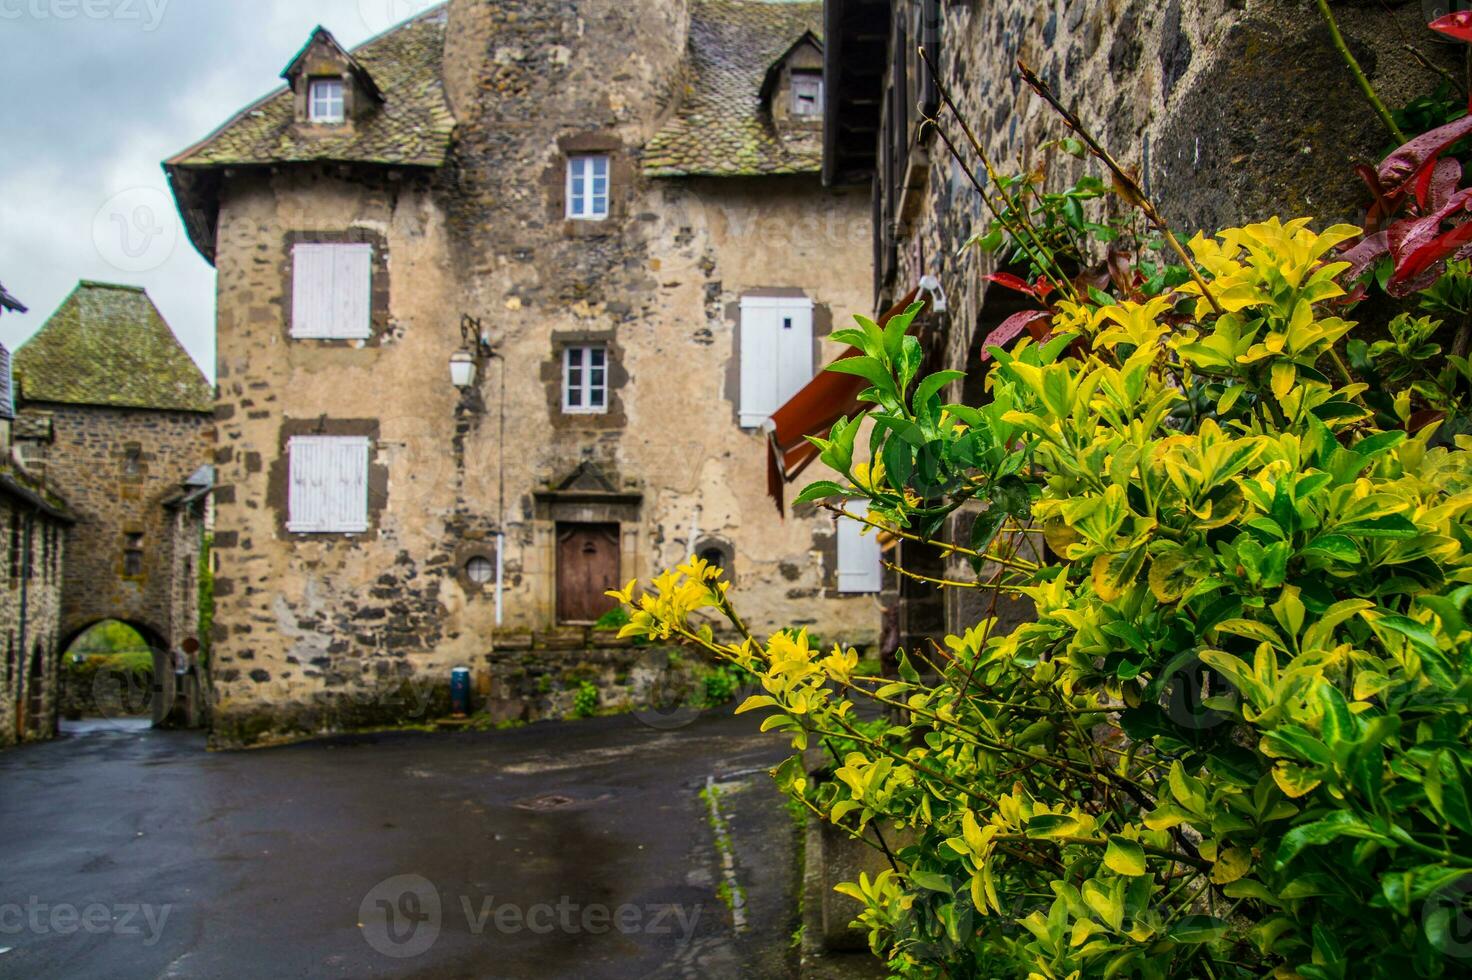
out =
column 30, row 619
column 310, row 627
column 116, row 466
column 1229, row 110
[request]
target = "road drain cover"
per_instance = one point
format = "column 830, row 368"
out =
column 552, row 801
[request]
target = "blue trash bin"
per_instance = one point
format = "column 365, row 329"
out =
column 460, row 691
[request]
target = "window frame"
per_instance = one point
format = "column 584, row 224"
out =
column 799, row 81
column 581, row 206
column 339, row 101
column 297, row 526
column 585, row 385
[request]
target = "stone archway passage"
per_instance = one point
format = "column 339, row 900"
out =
column 124, row 689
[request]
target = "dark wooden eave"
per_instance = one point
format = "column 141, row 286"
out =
column 856, row 46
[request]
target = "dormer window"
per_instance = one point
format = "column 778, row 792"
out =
column 325, row 101
column 807, row 94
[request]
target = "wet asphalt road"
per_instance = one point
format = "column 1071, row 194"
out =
column 558, row 850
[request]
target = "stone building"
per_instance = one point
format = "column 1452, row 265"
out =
column 609, row 214
column 34, row 522
column 114, row 411
column 1228, row 111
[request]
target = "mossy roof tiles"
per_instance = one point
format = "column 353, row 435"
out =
column 413, row 126
column 721, row 128
column 109, row 345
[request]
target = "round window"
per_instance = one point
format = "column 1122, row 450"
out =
column 480, row 570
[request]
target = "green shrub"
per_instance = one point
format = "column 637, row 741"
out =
column 585, row 702
column 1234, row 740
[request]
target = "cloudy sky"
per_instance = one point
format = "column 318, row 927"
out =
column 98, row 92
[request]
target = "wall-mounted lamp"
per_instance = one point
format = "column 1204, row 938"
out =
column 931, row 285
column 475, row 347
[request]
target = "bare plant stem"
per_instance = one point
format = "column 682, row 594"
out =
column 1358, row 72
column 1429, row 65
column 1129, row 187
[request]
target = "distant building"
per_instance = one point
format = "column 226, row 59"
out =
column 33, row 522
column 113, row 411
column 624, row 197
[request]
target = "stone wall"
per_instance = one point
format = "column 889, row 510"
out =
column 313, row 626
column 1229, row 110
column 30, row 619
column 116, row 466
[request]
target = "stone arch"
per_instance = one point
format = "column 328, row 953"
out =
column 158, row 644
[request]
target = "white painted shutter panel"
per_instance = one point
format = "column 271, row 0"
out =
column 353, row 292
column 329, row 485
column 332, row 292
column 311, row 291
column 859, row 558
column 794, row 348
column 759, row 367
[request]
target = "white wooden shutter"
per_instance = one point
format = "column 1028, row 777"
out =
column 859, row 558
column 329, row 485
column 776, row 354
column 332, row 292
column 794, row 348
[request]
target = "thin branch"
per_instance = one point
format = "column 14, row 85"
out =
column 1359, row 74
column 1127, row 184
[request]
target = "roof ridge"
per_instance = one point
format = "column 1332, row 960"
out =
column 99, row 284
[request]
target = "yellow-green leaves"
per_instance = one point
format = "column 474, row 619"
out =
column 1124, row 856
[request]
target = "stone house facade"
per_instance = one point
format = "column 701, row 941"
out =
column 1229, row 111
column 34, row 522
column 112, row 408
column 609, row 215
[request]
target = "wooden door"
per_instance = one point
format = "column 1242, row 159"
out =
column 587, row 567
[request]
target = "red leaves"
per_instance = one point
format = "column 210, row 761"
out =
column 1035, row 322
column 1038, row 290
column 1457, row 25
column 1403, row 167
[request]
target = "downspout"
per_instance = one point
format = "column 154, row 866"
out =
column 23, row 674
column 501, row 502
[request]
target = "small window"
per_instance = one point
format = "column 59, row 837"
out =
column 328, row 491
column 332, row 291
column 585, row 380
column 133, row 461
column 807, row 94
column 133, row 555
column 860, row 559
column 325, row 101
column 480, row 570
column 587, row 187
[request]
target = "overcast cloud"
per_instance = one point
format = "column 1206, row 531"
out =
column 96, row 94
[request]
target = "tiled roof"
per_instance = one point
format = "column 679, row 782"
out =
column 108, row 345
column 411, row 128
column 721, row 127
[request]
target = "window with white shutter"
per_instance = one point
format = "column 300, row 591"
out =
column 860, row 558
column 328, row 491
column 776, row 354
column 332, row 292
